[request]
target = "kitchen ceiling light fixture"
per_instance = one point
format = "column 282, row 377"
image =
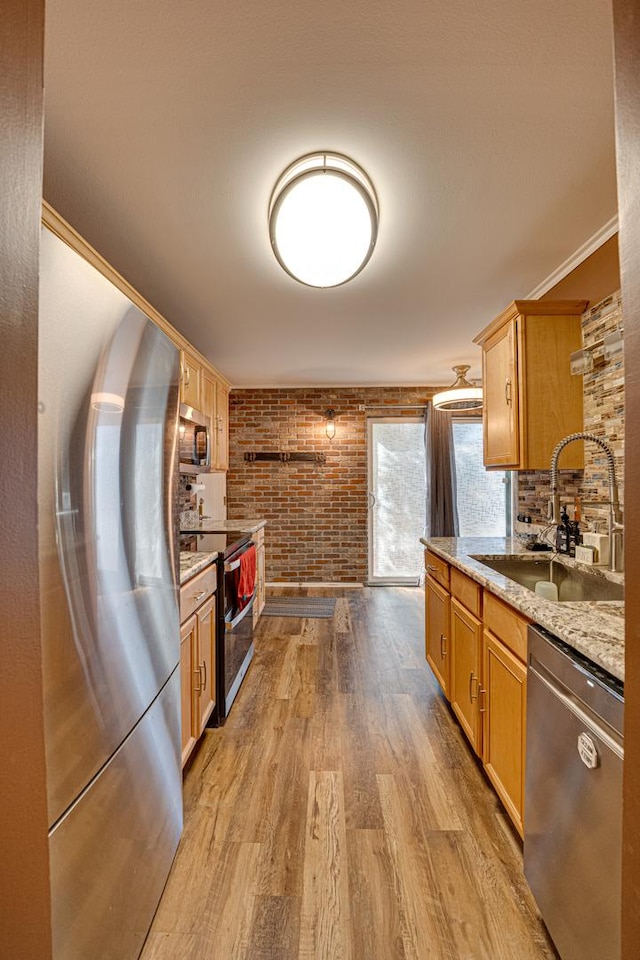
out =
column 323, row 219
column 461, row 395
column 330, row 426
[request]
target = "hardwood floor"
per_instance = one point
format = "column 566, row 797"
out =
column 340, row 814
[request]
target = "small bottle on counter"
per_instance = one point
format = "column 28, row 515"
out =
column 562, row 532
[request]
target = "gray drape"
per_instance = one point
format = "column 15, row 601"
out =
column 441, row 518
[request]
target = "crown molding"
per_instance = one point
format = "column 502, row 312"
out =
column 590, row 246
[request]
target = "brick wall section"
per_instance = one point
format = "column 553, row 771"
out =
column 603, row 415
column 316, row 513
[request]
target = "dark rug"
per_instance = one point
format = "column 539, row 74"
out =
column 304, row 607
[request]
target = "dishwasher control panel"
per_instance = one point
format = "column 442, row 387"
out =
column 588, row 751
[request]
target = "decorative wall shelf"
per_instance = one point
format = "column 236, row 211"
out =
column 284, row 456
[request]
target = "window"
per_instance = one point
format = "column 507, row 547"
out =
column 484, row 496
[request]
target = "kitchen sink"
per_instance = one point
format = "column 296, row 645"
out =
column 573, row 584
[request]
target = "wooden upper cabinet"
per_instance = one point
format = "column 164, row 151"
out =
column 215, row 405
column 190, row 380
column 222, row 426
column 531, row 400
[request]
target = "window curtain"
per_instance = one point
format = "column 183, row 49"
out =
column 441, row 515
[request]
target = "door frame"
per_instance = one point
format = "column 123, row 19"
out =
column 371, row 580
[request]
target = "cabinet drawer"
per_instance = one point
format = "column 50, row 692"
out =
column 195, row 591
column 467, row 591
column 506, row 624
column 437, row 568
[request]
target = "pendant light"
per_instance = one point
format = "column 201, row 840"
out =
column 461, row 395
column 323, row 219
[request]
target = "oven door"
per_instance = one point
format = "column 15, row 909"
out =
column 237, row 641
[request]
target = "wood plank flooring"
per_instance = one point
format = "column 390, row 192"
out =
column 340, row 814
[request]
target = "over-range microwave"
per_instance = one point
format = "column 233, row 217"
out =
column 194, row 440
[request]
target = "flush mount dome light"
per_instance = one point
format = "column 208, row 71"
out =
column 323, row 219
column 461, row 395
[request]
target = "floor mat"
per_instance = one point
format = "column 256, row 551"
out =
column 304, row 607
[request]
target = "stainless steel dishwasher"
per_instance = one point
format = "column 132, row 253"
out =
column 573, row 798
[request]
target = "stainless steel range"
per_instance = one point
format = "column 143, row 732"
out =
column 236, row 597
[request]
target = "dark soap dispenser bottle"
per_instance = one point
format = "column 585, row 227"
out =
column 563, row 532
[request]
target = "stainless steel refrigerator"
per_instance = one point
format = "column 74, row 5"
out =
column 107, row 469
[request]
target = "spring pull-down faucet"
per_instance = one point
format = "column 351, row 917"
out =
column 615, row 515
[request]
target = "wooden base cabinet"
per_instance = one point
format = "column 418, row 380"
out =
column 437, row 621
column 466, row 665
column 503, row 704
column 476, row 645
column 197, row 657
column 258, row 604
column 188, row 658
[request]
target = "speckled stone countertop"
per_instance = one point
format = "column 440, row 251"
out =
column 207, row 525
column 594, row 628
column 192, row 563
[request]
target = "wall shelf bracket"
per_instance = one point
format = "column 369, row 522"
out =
column 285, row 456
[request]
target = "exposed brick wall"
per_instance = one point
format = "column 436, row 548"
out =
column 316, row 513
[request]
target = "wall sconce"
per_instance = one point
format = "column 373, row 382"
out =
column 330, row 427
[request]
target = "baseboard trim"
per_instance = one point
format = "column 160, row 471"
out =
column 309, row 583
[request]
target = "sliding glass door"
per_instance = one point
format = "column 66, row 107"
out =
column 396, row 499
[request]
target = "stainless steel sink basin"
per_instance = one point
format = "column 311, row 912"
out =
column 573, row 584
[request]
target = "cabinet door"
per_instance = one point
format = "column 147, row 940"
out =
column 500, row 409
column 222, row 426
column 206, row 666
column 466, row 659
column 437, row 620
column 258, row 606
column 188, row 652
column 209, row 407
column 190, row 376
column 504, row 700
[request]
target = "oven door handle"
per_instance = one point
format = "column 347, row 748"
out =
column 230, row 567
column 229, row 625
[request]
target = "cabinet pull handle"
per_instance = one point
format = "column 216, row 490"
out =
column 431, row 568
column 187, row 374
column 507, row 391
column 203, row 666
column 198, row 673
column 473, row 677
column 482, row 700
column 199, row 596
column 443, row 645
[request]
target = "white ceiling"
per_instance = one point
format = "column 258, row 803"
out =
column 486, row 126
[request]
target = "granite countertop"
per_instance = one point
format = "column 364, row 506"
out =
column 207, row 525
column 192, row 563
column 593, row 628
